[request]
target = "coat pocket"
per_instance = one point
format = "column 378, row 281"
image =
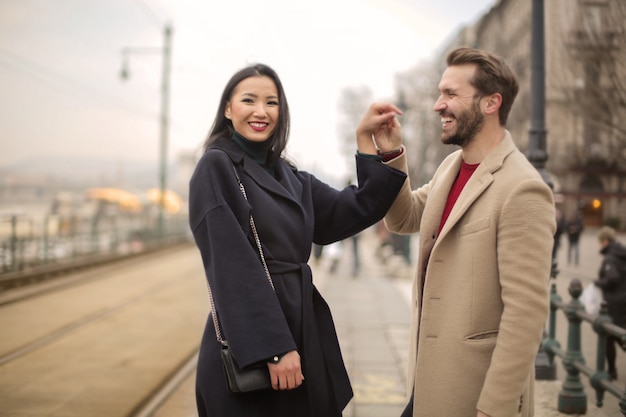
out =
column 475, row 226
column 486, row 335
column 477, row 351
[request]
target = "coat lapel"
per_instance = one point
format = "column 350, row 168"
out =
column 435, row 203
column 440, row 191
column 285, row 185
column 478, row 183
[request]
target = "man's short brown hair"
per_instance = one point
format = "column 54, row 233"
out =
column 492, row 75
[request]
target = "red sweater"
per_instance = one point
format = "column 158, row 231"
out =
column 464, row 175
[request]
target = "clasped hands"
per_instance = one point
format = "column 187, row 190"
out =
column 379, row 129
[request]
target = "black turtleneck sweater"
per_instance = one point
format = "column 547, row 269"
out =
column 258, row 151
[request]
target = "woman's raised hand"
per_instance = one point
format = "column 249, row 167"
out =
column 379, row 124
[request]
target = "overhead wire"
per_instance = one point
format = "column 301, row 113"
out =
column 149, row 12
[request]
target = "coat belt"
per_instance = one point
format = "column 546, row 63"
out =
column 326, row 378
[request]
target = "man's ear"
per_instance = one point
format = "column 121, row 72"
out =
column 493, row 103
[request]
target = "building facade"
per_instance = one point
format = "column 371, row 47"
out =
column 585, row 65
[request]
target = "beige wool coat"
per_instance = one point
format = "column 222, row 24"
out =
column 476, row 330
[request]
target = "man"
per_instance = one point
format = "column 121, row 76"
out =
column 486, row 222
column 574, row 228
column 612, row 281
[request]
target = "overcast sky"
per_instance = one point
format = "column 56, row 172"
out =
column 60, row 60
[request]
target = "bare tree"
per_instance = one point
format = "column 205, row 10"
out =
column 592, row 81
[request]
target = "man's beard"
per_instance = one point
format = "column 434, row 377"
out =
column 468, row 124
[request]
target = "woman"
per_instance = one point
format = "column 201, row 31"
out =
column 289, row 327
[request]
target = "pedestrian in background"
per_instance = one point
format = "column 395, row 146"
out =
column 317, row 253
column 333, row 253
column 384, row 246
column 560, row 229
column 574, row 229
column 354, row 248
column 284, row 325
column 402, row 247
column 486, row 224
column 356, row 258
column 612, row 281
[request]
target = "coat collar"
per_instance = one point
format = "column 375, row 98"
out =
column 285, row 184
column 479, row 181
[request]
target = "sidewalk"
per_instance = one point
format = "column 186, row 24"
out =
column 372, row 320
column 371, row 313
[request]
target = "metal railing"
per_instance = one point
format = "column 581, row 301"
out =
column 572, row 398
column 28, row 242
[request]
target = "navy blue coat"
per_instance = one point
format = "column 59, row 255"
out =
column 290, row 211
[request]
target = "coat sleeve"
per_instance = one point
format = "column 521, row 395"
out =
column 341, row 214
column 249, row 312
column 405, row 214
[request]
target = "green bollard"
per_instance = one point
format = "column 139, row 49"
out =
column 600, row 374
column 572, row 398
column 545, row 366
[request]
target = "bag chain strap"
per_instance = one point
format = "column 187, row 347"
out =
column 218, row 333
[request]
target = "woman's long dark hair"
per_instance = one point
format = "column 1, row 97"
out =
column 224, row 127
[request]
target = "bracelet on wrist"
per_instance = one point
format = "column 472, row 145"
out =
column 388, row 156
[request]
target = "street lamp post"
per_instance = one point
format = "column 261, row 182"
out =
column 166, row 53
column 537, row 153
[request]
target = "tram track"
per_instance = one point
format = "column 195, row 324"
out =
column 129, row 332
column 155, row 402
column 72, row 327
